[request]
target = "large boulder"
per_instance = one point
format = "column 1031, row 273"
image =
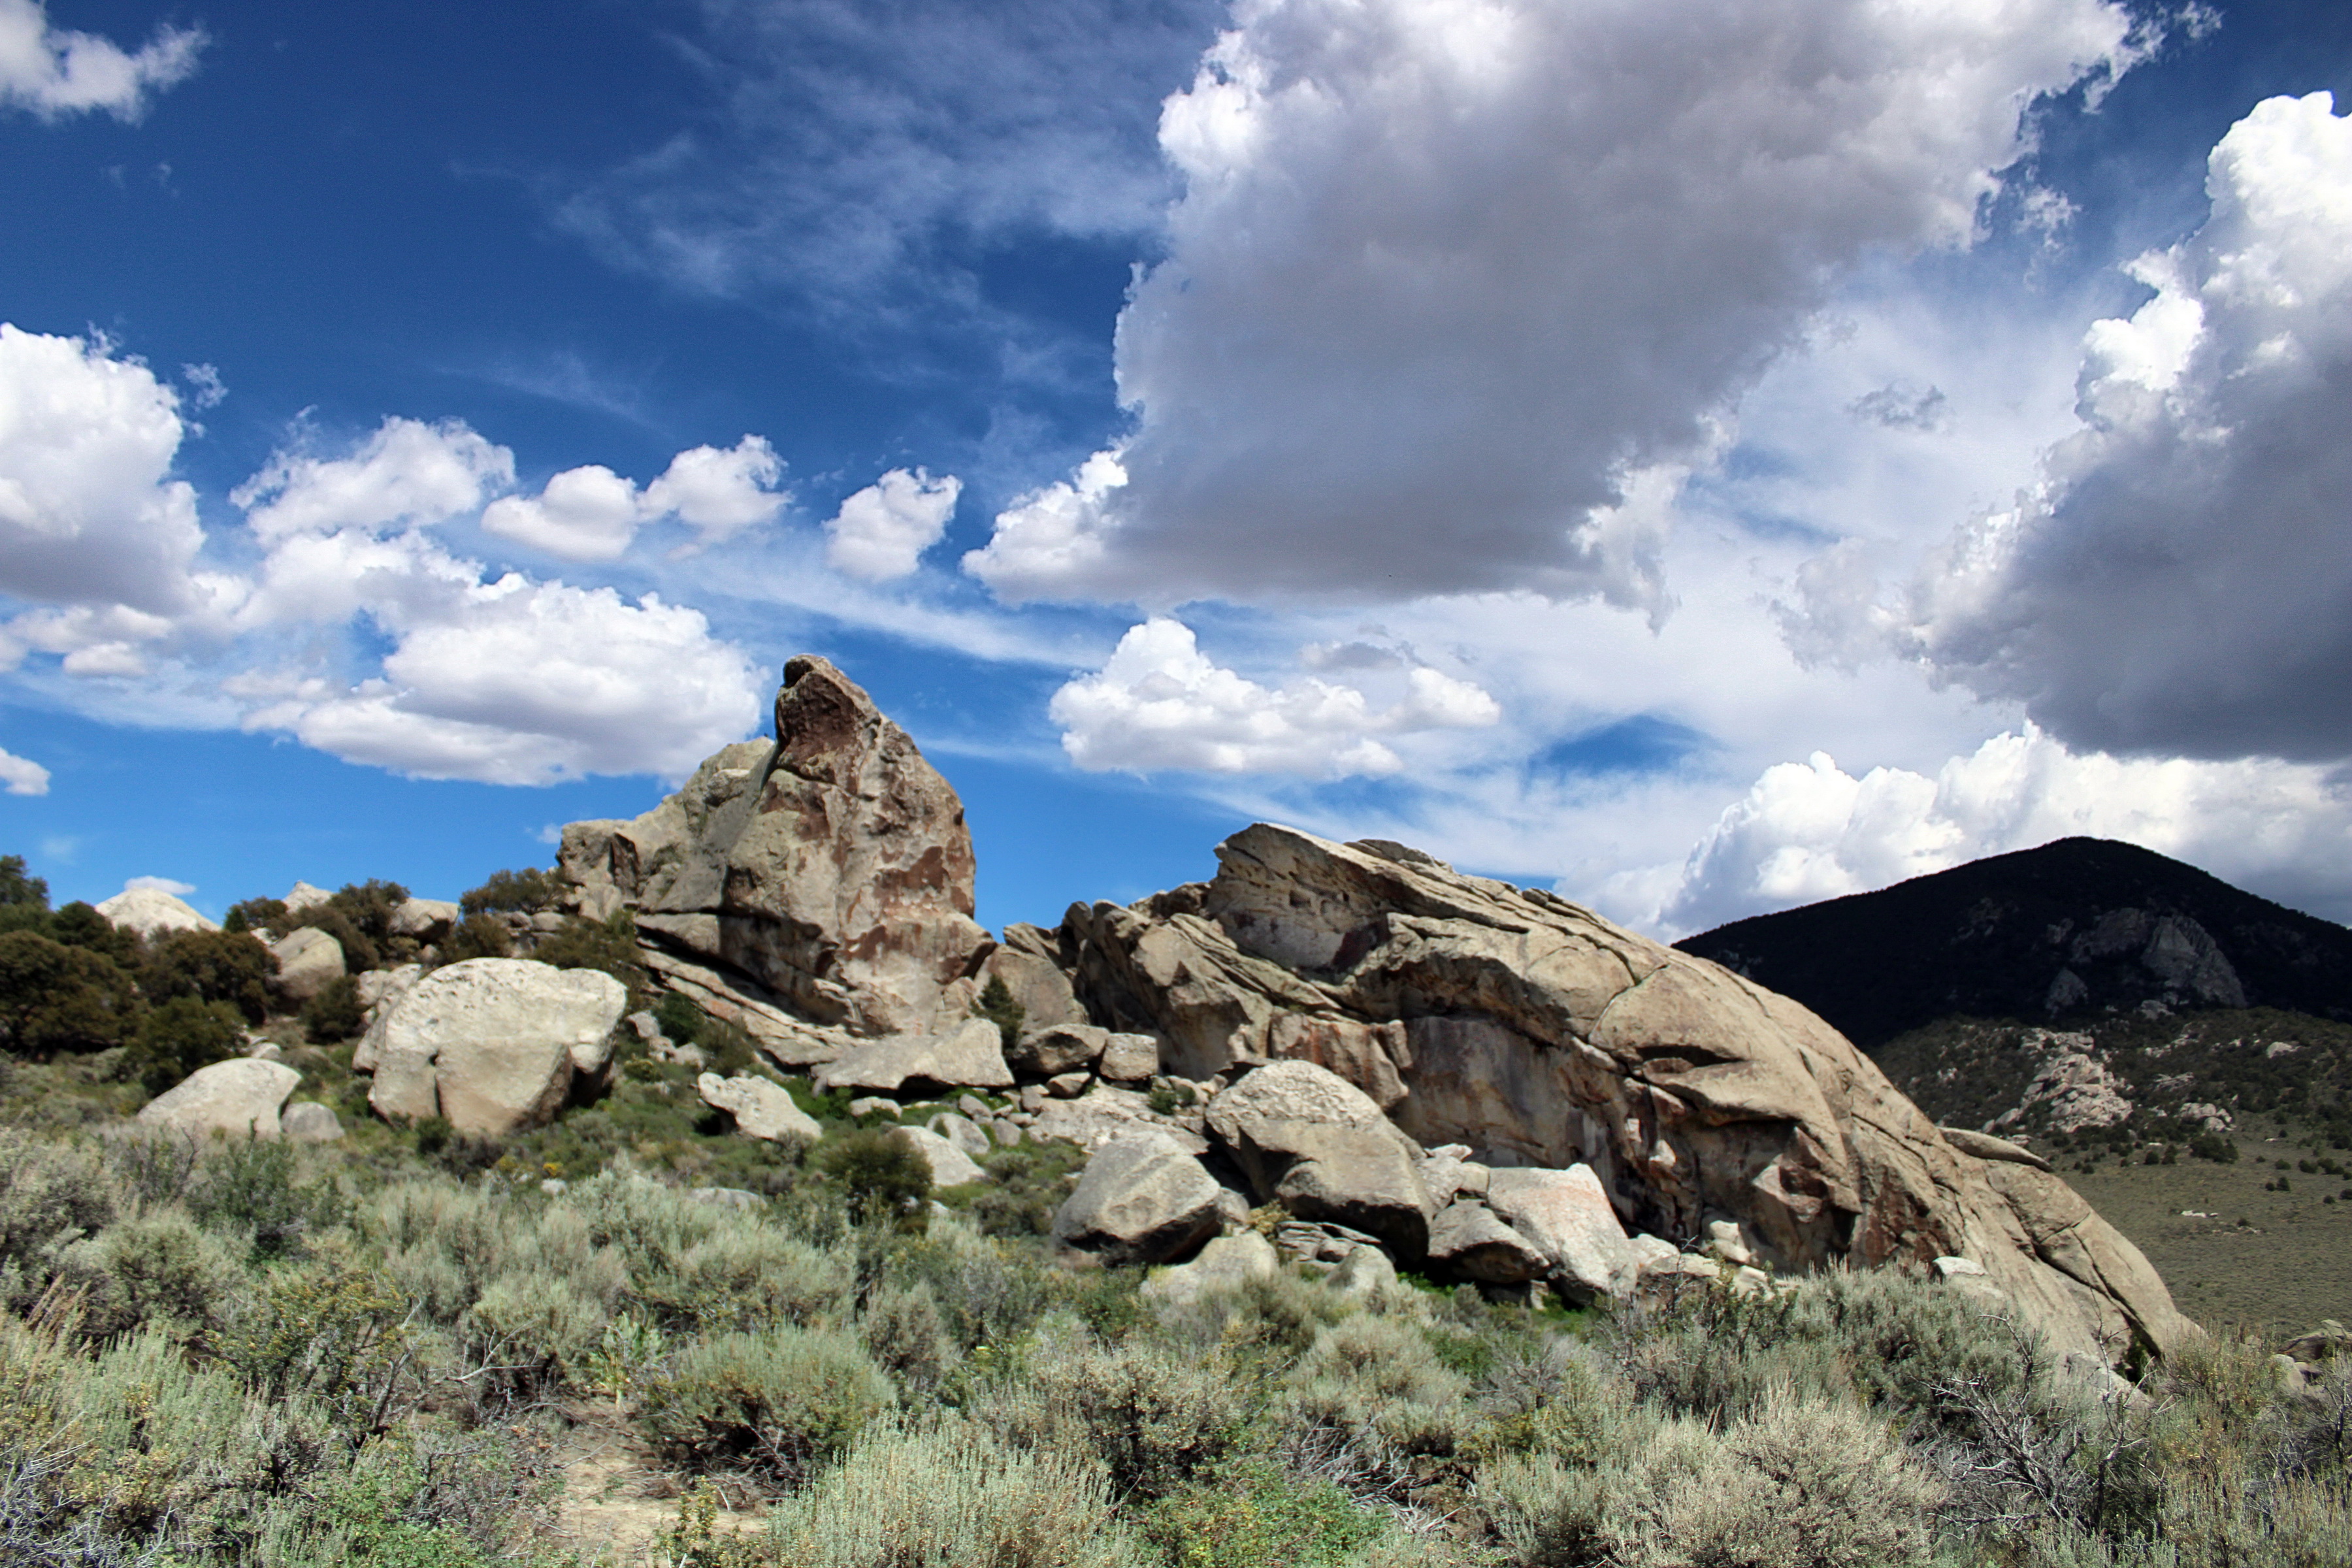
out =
column 1264, row 1118
column 1366, row 1178
column 309, row 961
column 241, row 1098
column 151, row 911
column 1539, row 1035
column 761, row 1108
column 491, row 1044
column 1058, row 1049
column 970, row 1054
column 832, row 867
column 1144, row 1199
column 1467, row 1238
column 306, row 1121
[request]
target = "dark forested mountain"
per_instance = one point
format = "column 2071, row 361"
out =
column 2076, row 928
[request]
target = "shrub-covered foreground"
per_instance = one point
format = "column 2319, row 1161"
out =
column 244, row 1354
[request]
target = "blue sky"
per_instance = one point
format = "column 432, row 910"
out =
column 1699, row 459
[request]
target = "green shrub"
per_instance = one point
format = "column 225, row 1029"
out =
column 1559, row 1401
column 681, row 1017
column 424, row 1497
column 249, row 1186
column 997, row 1006
column 607, row 945
column 904, row 1330
column 257, row 915
column 949, row 1495
column 183, row 1035
column 520, row 892
column 775, row 1405
column 727, row 1048
column 749, row 1276
column 476, row 936
column 880, row 1174
column 157, row 1271
column 1801, row 1483
column 531, row 1333
column 336, row 1012
column 1159, row 1417
column 369, row 907
column 55, row 997
column 331, row 1329
column 989, row 1292
column 213, row 966
column 51, row 1196
column 1027, row 1186
column 2219, row 1148
column 1256, row 1513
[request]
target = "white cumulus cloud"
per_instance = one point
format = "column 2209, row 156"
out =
column 22, row 775
column 2181, row 578
column 592, row 513
column 1161, row 703
column 515, row 681
column 1808, row 831
column 581, row 514
column 719, row 491
column 54, row 72
column 159, row 885
column 89, row 512
column 882, row 530
column 1447, row 276
column 407, row 473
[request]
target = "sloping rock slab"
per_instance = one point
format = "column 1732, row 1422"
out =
column 1539, row 1035
column 1568, row 1218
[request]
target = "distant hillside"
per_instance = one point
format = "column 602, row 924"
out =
column 2077, row 929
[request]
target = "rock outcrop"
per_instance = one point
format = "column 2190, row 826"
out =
column 490, row 1043
column 1469, row 1011
column 151, row 910
column 240, row 1097
column 425, row 919
column 831, row 867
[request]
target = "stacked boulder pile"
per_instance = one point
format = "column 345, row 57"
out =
column 1347, row 1051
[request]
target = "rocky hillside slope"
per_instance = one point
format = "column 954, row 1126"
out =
column 2079, row 928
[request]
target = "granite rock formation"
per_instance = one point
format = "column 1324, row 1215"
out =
column 831, row 867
